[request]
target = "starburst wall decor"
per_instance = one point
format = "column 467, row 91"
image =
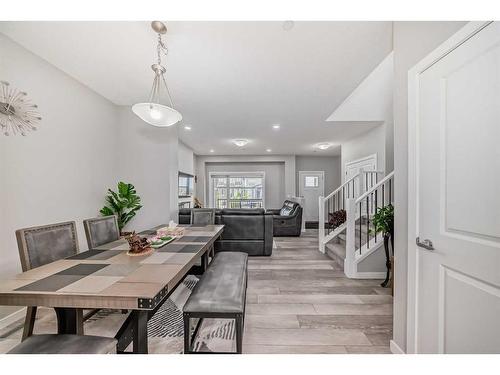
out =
column 18, row 115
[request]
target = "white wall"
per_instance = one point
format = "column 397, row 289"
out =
column 202, row 186
column 60, row 172
column 274, row 188
column 329, row 164
column 85, row 145
column 148, row 159
column 371, row 142
column 412, row 42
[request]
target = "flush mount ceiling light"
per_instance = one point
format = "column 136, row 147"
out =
column 187, row 127
column 324, row 146
column 153, row 112
column 269, row 150
column 240, row 142
column 276, row 126
column 212, row 150
column 288, row 25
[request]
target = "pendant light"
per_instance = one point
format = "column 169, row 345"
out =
column 153, row 112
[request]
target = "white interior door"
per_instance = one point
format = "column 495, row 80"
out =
column 311, row 187
column 457, row 107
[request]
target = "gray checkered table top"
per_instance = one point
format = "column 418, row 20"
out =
column 106, row 277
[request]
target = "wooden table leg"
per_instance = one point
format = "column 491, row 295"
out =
column 29, row 322
column 204, row 262
column 140, row 343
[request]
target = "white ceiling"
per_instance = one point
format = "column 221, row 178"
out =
column 228, row 79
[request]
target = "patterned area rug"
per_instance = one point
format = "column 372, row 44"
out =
column 165, row 328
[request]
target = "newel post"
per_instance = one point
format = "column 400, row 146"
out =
column 350, row 247
column 321, row 224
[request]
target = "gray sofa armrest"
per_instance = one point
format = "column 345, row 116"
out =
column 268, row 233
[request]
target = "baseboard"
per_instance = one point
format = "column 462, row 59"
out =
column 311, row 225
column 395, row 349
column 369, row 275
column 11, row 318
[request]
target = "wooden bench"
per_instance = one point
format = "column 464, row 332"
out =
column 65, row 344
column 220, row 293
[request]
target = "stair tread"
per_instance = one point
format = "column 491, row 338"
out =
column 337, row 248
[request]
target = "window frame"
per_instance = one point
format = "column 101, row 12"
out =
column 214, row 174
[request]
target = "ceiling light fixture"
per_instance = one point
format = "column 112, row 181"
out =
column 276, row 126
column 187, row 127
column 288, row 25
column 212, row 151
column 324, row 146
column 269, row 150
column 153, row 112
column 240, row 142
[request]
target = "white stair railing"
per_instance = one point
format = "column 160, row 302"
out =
column 359, row 197
column 335, row 201
column 365, row 206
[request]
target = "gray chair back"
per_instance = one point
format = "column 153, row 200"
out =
column 45, row 244
column 203, row 216
column 101, row 230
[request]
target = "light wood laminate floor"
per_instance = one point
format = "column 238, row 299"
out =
column 299, row 301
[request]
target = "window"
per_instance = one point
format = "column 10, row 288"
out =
column 237, row 191
column 185, row 185
column 311, row 181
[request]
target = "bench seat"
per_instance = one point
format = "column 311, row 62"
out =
column 65, row 344
column 220, row 293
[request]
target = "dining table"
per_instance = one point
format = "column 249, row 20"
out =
column 107, row 277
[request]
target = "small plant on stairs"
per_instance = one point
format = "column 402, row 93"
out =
column 383, row 222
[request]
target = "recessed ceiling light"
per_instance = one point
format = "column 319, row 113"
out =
column 276, row 126
column 288, row 25
column 187, row 127
column 324, row 146
column 240, row 142
column 268, row 150
column 212, row 151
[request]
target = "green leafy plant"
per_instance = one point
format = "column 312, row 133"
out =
column 123, row 204
column 383, row 220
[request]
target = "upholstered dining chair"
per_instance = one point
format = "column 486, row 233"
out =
column 101, row 230
column 41, row 245
column 204, row 216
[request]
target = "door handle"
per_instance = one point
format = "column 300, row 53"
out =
column 426, row 244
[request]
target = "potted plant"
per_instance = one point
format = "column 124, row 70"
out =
column 383, row 222
column 124, row 204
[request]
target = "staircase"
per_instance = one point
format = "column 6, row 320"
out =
column 351, row 242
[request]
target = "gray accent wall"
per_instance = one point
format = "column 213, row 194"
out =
column 329, row 164
column 274, row 189
column 288, row 162
column 412, row 42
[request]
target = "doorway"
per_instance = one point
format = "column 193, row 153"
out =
column 311, row 187
column 352, row 168
column 454, row 227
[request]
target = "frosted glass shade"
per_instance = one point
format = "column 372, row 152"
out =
column 157, row 114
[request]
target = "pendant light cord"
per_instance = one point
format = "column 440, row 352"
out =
column 161, row 47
